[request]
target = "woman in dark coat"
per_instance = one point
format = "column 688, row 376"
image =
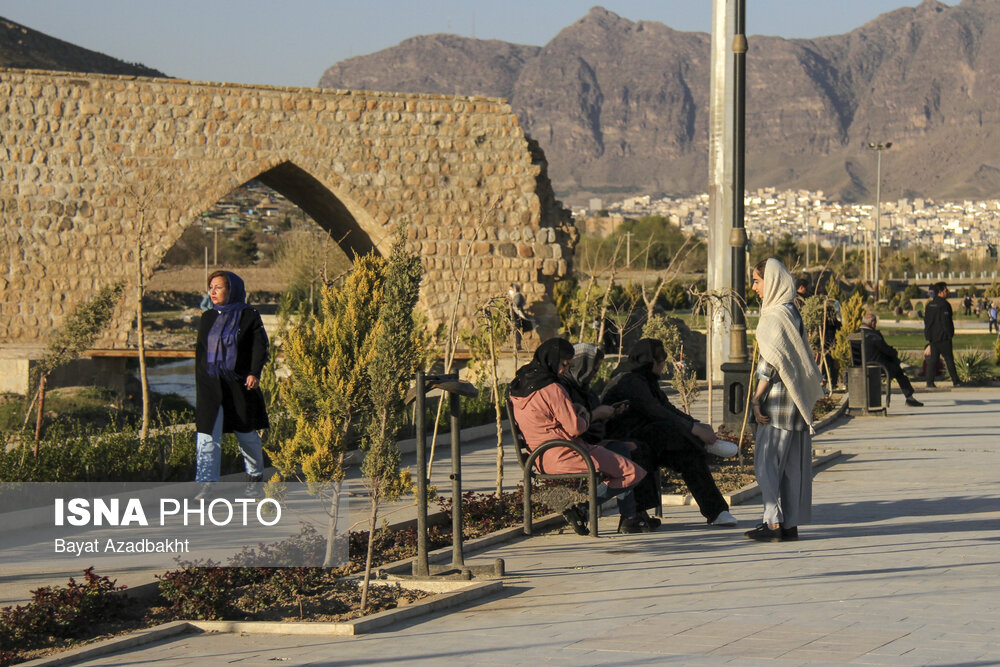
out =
column 229, row 358
column 671, row 438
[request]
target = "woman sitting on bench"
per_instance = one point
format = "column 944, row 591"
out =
column 672, row 439
column 544, row 412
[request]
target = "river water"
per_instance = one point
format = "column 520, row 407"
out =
column 174, row 377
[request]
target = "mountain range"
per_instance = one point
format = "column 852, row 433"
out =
column 621, row 107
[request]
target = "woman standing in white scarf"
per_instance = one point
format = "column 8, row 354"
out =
column 789, row 384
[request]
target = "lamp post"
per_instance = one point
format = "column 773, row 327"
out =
column 878, row 148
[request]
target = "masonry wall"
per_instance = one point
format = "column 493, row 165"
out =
column 87, row 161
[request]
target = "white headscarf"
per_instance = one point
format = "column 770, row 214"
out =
column 783, row 345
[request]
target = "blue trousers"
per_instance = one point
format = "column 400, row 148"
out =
column 209, row 449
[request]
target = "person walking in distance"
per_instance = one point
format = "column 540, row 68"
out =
column 521, row 320
column 939, row 329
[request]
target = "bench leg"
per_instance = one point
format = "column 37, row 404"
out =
column 527, row 505
column 594, row 507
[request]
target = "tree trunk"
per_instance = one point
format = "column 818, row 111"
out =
column 822, row 351
column 368, row 559
column 709, row 367
column 41, row 408
column 331, row 526
column 143, row 378
column 141, row 335
column 583, row 307
column 496, row 407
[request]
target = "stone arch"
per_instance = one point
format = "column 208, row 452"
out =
column 458, row 171
column 327, row 208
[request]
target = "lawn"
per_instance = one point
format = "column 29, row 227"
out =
column 913, row 339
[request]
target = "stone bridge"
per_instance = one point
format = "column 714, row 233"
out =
column 86, row 160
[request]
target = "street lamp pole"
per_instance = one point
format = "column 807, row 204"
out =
column 878, row 148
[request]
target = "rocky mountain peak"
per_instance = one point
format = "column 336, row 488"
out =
column 622, row 107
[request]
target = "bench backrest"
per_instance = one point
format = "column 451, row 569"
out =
column 860, row 349
column 520, row 444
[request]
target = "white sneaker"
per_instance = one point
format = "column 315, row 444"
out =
column 723, row 448
column 724, row 518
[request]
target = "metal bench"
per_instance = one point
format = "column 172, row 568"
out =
column 531, row 466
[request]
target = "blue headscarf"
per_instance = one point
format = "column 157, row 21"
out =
column 221, row 346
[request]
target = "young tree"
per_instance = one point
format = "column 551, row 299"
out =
column 671, row 331
column 390, row 372
column 245, row 245
column 139, row 191
column 78, row 331
column 494, row 325
column 327, row 386
column 850, row 316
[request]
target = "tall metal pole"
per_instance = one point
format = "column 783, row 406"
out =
column 738, row 236
column 878, row 220
column 720, row 175
column 736, row 372
column 876, row 251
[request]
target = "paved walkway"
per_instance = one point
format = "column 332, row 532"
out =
column 900, row 567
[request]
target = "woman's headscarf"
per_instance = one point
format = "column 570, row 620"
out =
column 221, row 345
column 543, row 369
column 642, row 357
column 582, row 369
column 587, row 359
column 783, row 342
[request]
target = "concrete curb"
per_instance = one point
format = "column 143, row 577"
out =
column 132, row 640
column 451, row 594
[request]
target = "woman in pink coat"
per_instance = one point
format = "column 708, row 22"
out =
column 544, row 411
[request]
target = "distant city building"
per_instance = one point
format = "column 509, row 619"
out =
column 920, row 222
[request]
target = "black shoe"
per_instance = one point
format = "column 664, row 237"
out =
column 653, row 522
column 931, row 385
column 789, row 533
column 764, row 533
column 576, row 519
column 634, row 524
column 914, row 403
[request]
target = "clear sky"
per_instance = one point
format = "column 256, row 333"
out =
column 291, row 42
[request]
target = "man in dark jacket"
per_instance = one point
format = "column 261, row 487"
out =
column 939, row 329
column 880, row 352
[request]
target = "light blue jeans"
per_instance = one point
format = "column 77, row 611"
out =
column 209, row 449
